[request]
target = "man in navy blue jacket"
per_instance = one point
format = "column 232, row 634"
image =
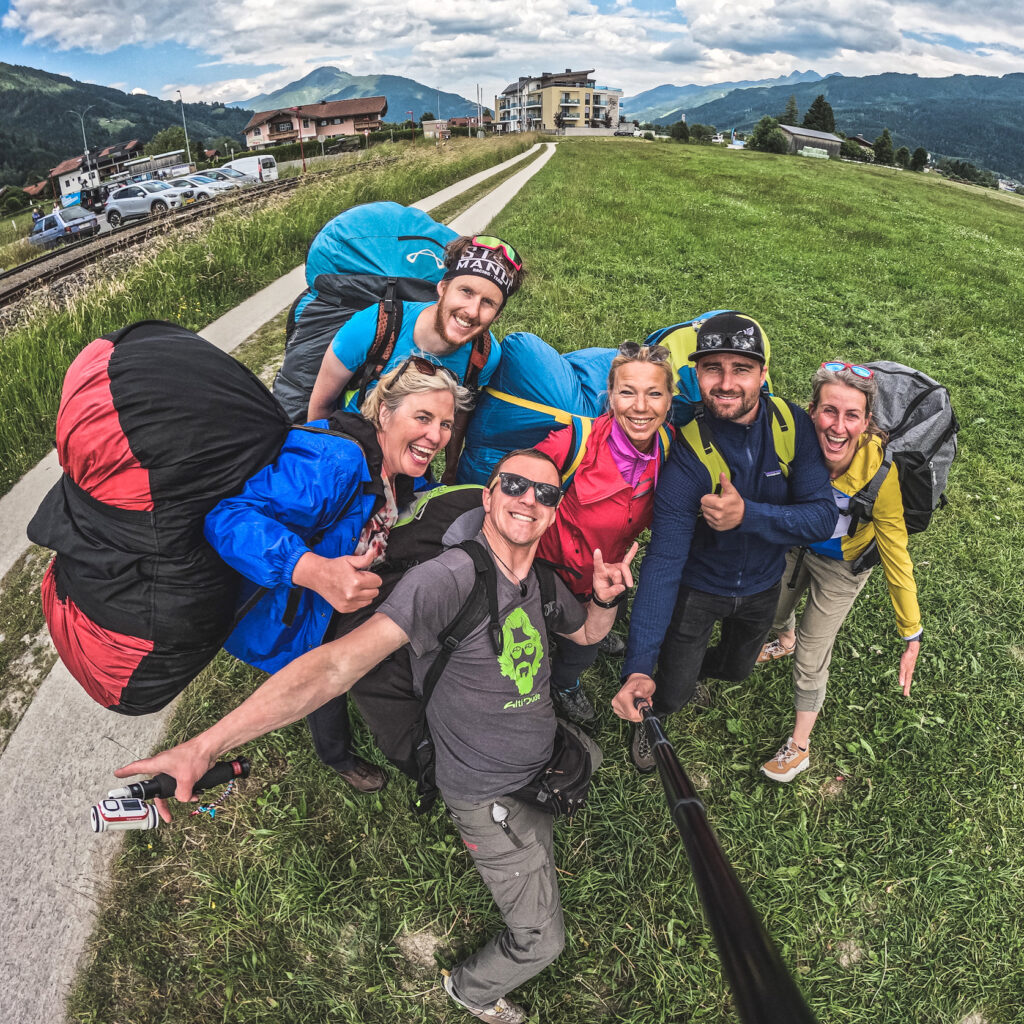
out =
column 720, row 556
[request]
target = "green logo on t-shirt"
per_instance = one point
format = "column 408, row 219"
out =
column 520, row 656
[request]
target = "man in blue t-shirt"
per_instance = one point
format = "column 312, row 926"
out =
column 481, row 274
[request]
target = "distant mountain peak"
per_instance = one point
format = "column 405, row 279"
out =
column 331, row 83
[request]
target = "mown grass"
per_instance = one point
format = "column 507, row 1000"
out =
column 196, row 279
column 447, row 212
column 889, row 874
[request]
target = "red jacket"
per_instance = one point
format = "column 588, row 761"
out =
column 598, row 511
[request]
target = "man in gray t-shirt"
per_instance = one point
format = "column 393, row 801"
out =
column 491, row 718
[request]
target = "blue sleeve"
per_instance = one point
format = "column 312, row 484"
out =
column 493, row 358
column 263, row 531
column 352, row 342
column 810, row 514
column 684, row 481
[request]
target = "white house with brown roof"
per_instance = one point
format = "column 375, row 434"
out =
column 328, row 118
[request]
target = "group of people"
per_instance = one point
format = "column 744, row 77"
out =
column 747, row 508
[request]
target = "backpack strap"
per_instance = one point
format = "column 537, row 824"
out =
column 783, row 432
column 580, row 427
column 478, row 356
column 382, row 348
column 697, row 434
column 469, row 616
column 862, row 504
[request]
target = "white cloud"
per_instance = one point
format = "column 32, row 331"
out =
column 634, row 44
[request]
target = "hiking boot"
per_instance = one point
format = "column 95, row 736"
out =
column 573, row 704
column 787, row 763
column 502, row 1012
column 613, row 645
column 640, row 751
column 701, row 696
column 364, row 777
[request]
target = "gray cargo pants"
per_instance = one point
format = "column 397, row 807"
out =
column 518, row 867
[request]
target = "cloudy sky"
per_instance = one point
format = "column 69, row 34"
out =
column 232, row 49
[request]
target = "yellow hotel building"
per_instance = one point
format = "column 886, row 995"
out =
column 534, row 103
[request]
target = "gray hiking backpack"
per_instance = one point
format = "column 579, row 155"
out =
column 918, row 416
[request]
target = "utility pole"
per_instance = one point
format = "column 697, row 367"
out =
column 81, row 118
column 298, row 127
column 188, row 148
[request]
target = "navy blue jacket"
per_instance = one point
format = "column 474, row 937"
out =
column 779, row 513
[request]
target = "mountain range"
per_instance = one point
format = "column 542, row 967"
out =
column 970, row 117
column 330, row 83
column 38, row 131
column 665, row 101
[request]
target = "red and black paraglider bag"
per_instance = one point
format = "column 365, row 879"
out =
column 155, row 427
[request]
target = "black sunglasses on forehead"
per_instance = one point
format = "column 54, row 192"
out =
column 514, row 485
column 425, row 366
column 630, row 349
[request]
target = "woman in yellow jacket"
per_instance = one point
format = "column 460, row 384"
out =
column 842, row 399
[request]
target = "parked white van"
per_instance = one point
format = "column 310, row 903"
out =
column 259, row 168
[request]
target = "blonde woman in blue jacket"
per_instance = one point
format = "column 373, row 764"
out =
column 842, row 399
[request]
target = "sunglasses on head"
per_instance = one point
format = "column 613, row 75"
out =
column 425, row 366
column 495, row 244
column 515, row 486
column 745, row 340
column 631, row 350
column 855, row 368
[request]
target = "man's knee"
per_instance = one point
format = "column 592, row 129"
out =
column 539, row 946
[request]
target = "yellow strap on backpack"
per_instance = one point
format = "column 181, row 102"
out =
column 698, row 437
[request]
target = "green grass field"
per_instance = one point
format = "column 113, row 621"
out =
column 890, row 874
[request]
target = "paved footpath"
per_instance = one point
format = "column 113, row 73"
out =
column 59, row 761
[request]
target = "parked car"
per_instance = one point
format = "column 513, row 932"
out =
column 204, row 187
column 228, row 179
column 259, row 168
column 143, row 199
column 624, row 131
column 63, row 225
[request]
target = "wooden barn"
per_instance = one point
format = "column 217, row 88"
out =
column 801, row 137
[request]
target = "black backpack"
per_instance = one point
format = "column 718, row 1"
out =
column 917, row 414
column 481, row 604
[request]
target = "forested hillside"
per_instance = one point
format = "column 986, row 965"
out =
column 976, row 118
column 38, row 132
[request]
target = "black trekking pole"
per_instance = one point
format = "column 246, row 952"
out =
column 762, row 988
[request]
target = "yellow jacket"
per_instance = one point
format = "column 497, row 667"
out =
column 887, row 529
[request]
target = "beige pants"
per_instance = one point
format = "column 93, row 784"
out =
column 831, row 590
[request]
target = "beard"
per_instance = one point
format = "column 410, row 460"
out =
column 440, row 317
column 747, row 403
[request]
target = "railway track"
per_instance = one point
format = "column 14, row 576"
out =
column 65, row 260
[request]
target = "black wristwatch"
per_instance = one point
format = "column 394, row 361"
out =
column 613, row 603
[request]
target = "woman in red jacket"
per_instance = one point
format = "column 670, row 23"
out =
column 611, row 497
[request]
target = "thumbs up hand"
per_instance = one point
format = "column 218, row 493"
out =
column 723, row 511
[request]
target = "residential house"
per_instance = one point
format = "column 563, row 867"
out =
column 798, row 138
column 437, row 129
column 571, row 99
column 312, row 121
column 471, row 122
column 868, row 147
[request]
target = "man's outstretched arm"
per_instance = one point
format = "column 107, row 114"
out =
column 299, row 688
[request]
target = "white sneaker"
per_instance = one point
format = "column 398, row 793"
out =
column 502, row 1012
column 788, row 762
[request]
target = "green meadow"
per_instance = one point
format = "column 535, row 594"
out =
column 890, row 874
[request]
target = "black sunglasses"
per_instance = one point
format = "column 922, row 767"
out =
column 515, row 486
column 425, row 366
column 631, row 350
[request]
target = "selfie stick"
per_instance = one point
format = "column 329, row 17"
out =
column 762, row 988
